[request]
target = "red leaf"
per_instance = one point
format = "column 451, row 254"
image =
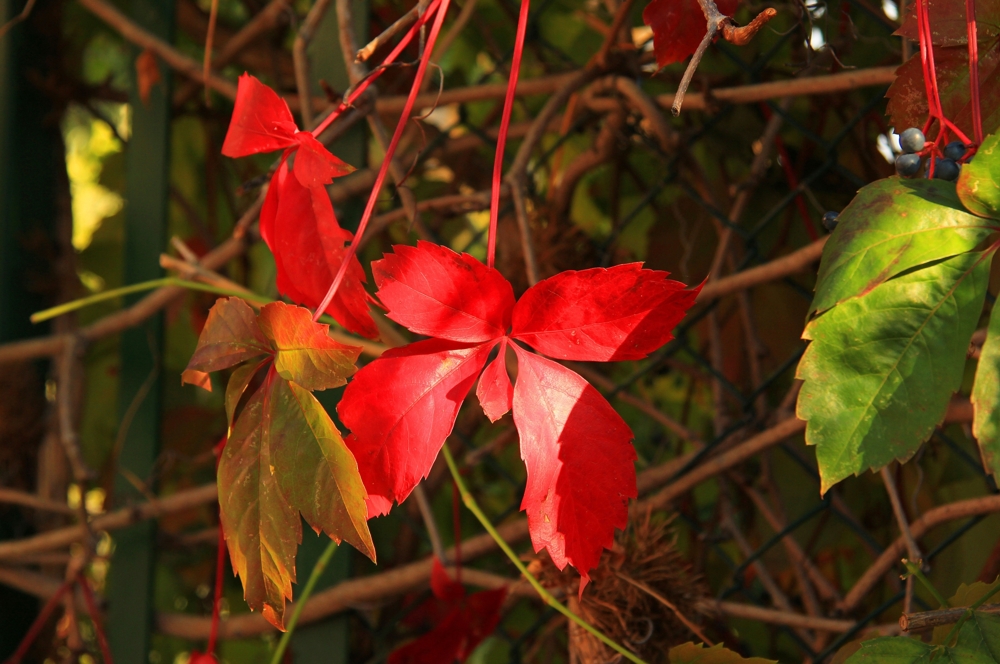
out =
column 400, row 408
column 679, row 26
column 571, row 437
column 299, row 226
column 432, row 290
column 601, row 315
column 467, row 622
column 314, row 164
column 444, row 587
column 948, row 24
column 261, row 121
column 201, row 658
column 495, row 393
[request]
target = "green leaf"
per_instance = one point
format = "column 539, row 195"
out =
column 979, row 182
column 285, row 456
column 981, row 631
column 986, row 398
column 881, row 368
column 230, row 336
column 304, row 352
column 315, row 470
column 690, row 653
column 905, row 650
column 891, row 226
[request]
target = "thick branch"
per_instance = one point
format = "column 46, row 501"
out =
column 915, row 622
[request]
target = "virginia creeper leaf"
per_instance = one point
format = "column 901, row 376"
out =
column 196, row 378
column 299, row 226
column 262, row 530
column 461, row 622
column 601, row 314
column 691, row 653
column 262, row 121
column 679, row 26
column 571, row 435
column 435, row 291
column 979, row 181
column 315, row 166
column 903, row 650
column 495, row 393
column 284, row 456
column 893, row 225
column 230, row 336
column 304, row 353
column 907, row 95
column 986, row 398
column 981, row 632
column 401, row 407
column 881, row 368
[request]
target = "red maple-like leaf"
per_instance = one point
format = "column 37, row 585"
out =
column 297, row 220
column 401, row 407
column 679, row 26
column 460, row 623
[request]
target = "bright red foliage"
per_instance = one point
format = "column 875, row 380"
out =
column 679, row 26
column 297, row 220
column 460, row 623
column 402, row 407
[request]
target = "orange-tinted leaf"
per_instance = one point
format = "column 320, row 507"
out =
column 197, row 378
column 238, row 382
column 304, row 352
column 679, row 26
column 231, row 335
column 147, row 74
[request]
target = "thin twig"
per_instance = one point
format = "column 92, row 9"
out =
column 667, row 603
column 427, row 514
column 301, row 59
column 213, row 15
column 401, row 24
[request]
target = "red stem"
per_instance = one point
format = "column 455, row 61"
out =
column 220, row 568
column 95, row 617
column 456, row 516
column 373, row 76
column 508, row 106
column 977, row 119
column 36, row 627
column 442, row 11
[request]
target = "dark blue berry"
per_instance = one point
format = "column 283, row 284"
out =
column 912, row 140
column 830, row 220
column 954, row 150
column 945, row 169
column 907, row 165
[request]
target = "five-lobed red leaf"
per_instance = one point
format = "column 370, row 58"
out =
column 679, row 26
column 432, row 290
column 401, row 407
column 579, row 457
column 601, row 314
column 261, row 122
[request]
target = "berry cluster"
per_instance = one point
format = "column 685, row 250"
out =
column 913, row 143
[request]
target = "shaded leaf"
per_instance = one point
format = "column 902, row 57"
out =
column 679, row 26
column 981, row 632
column 261, row 122
column 881, row 368
column 601, row 314
column 891, row 226
column 571, row 435
column 401, row 407
column 238, row 382
column 443, row 586
column 495, row 393
column 691, row 653
column 304, row 352
column 986, row 398
column 230, row 336
column 903, row 650
column 947, row 21
column 432, row 290
column 299, row 226
column 979, row 182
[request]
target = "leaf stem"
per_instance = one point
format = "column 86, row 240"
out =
column 67, row 307
column 473, row 506
column 914, row 569
column 317, row 572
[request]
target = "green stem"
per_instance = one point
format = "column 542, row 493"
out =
column 317, row 572
column 67, row 307
column 473, row 506
column 968, row 613
column 914, row 569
